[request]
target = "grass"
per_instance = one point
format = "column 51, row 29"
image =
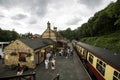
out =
column 110, row 42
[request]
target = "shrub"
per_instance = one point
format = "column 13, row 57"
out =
column 29, row 54
column 13, row 54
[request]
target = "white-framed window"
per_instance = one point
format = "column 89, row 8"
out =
column 101, row 66
column 116, row 75
column 90, row 58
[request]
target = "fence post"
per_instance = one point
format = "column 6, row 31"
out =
column 58, row 76
column 34, row 75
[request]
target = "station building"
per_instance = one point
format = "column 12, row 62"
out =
column 30, row 52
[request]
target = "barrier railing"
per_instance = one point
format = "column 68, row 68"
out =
column 31, row 76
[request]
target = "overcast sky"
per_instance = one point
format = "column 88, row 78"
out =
column 32, row 15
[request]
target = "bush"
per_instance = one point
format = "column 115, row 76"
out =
column 13, row 54
column 29, row 54
column 110, row 42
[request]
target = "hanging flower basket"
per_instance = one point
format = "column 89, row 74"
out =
column 29, row 54
column 13, row 54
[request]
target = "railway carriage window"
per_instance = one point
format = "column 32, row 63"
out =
column 101, row 67
column 85, row 52
column 116, row 75
column 77, row 47
column 80, row 49
column 104, row 65
column 100, row 62
column 90, row 58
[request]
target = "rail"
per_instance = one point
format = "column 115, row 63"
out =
column 30, row 76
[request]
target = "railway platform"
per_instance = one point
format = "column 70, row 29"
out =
column 69, row 68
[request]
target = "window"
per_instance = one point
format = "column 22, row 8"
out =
column 116, row 75
column 22, row 56
column 90, row 58
column 80, row 49
column 85, row 51
column 101, row 67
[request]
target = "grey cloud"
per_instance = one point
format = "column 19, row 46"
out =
column 91, row 3
column 32, row 21
column 8, row 3
column 1, row 16
column 41, row 7
column 74, row 21
column 35, row 7
column 19, row 17
column 16, row 23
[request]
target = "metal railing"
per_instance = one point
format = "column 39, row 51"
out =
column 30, row 76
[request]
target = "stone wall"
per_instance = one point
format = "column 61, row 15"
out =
column 17, row 47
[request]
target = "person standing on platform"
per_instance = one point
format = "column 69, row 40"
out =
column 20, row 70
column 53, row 64
column 48, row 55
column 68, row 53
column 61, row 52
column 46, row 63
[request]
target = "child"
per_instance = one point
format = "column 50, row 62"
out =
column 20, row 70
column 53, row 64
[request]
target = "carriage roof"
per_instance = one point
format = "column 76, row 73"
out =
column 107, row 56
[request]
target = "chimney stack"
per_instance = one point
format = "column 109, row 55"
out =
column 55, row 29
column 48, row 25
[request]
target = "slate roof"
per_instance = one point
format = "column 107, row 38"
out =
column 107, row 56
column 37, row 43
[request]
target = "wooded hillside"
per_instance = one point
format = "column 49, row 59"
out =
column 103, row 22
column 101, row 30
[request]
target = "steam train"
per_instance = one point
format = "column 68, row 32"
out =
column 103, row 64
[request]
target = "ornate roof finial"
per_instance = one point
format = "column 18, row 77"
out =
column 48, row 24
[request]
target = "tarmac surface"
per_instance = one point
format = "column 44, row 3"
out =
column 69, row 68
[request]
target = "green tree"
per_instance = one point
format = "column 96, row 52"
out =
column 26, row 35
column 68, row 33
column 7, row 35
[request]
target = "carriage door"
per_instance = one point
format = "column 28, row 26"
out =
column 85, row 52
